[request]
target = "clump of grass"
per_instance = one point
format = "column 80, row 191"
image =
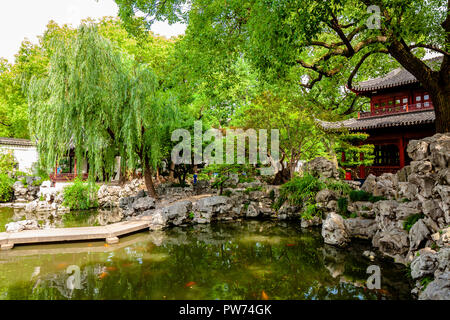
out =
column 411, row 220
column 250, row 189
column 361, row 195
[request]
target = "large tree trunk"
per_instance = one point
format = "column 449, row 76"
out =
column 172, row 171
column 436, row 82
column 440, row 95
column 149, row 181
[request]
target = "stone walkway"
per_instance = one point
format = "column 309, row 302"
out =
column 110, row 233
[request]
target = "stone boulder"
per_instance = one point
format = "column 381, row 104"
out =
column 438, row 289
column 418, row 234
column 212, row 208
column 322, row 167
column 334, row 231
column 392, row 242
column 361, row 228
column 313, row 222
column 424, row 264
column 143, row 204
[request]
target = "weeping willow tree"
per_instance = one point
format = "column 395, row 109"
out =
column 102, row 103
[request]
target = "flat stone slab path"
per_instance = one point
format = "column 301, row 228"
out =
column 109, row 232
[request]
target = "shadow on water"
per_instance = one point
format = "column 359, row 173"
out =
column 240, row 260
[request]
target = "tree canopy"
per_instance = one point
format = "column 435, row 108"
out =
column 320, row 45
column 99, row 100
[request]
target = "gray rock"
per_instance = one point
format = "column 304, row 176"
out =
column 361, row 228
column 392, row 242
column 325, row 195
column 418, row 149
column 334, row 231
column 418, row 234
column 307, row 223
column 322, row 167
column 252, row 211
column 369, row 183
column 143, row 204
column 424, row 264
column 438, row 289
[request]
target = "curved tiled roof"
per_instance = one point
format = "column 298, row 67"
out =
column 16, row 142
column 395, row 78
column 402, row 119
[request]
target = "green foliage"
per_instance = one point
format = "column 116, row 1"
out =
column 311, row 211
column 37, row 183
column 250, row 189
column 301, row 189
column 411, row 220
column 350, row 145
column 343, row 206
column 99, row 98
column 272, row 195
column 339, row 186
column 80, row 195
column 6, row 190
column 425, row 281
column 361, row 195
column 7, row 162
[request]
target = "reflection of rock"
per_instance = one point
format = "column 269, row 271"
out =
column 22, row 225
column 334, row 261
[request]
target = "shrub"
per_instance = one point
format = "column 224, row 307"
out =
column 340, row 186
column 6, row 189
column 343, row 206
column 301, row 189
column 80, row 195
column 409, row 222
column 7, row 162
column 37, row 183
column 250, row 189
column 311, row 211
column 361, row 195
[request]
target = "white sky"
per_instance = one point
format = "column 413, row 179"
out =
column 21, row 19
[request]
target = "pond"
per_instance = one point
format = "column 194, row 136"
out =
column 238, row 260
column 67, row 220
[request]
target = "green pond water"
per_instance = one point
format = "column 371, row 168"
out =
column 68, row 220
column 235, row 260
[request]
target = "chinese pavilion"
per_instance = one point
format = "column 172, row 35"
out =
column 400, row 110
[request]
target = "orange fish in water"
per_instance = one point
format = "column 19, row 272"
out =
column 190, row 284
column 264, row 295
column 62, row 265
column 103, row 275
column 106, row 245
column 290, row 244
column 111, row 268
column 90, row 245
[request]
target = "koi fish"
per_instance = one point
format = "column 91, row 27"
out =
column 190, row 284
column 103, row 275
column 111, row 268
column 106, row 245
column 290, row 244
column 264, row 295
column 62, row 265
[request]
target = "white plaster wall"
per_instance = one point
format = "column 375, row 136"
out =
column 25, row 156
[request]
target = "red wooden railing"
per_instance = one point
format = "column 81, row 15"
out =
column 396, row 109
column 66, row 177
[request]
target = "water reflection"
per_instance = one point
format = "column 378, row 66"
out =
column 243, row 260
column 54, row 219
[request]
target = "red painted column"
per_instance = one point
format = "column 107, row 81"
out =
column 401, row 153
column 362, row 171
